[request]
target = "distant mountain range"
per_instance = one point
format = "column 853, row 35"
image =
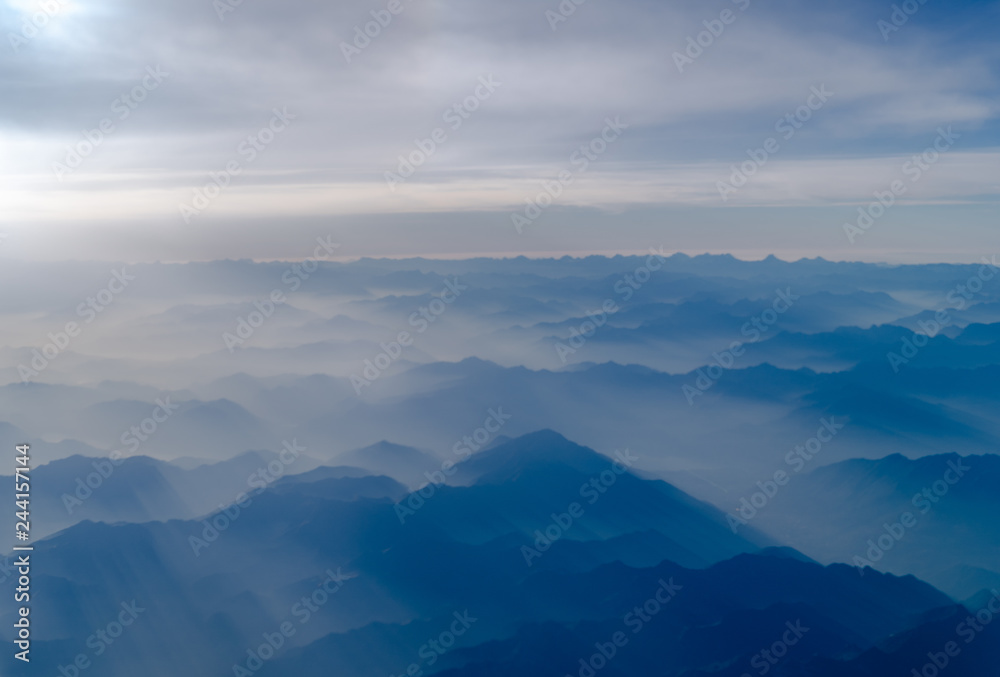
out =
column 855, row 512
column 550, row 547
column 373, row 472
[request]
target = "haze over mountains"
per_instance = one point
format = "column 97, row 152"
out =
column 542, row 446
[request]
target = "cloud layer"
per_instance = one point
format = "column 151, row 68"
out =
column 91, row 138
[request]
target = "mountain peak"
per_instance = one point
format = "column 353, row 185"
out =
column 542, row 448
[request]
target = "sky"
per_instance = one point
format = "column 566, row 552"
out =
column 182, row 130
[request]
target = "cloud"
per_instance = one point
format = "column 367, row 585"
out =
column 355, row 119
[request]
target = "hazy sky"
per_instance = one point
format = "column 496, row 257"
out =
column 532, row 84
